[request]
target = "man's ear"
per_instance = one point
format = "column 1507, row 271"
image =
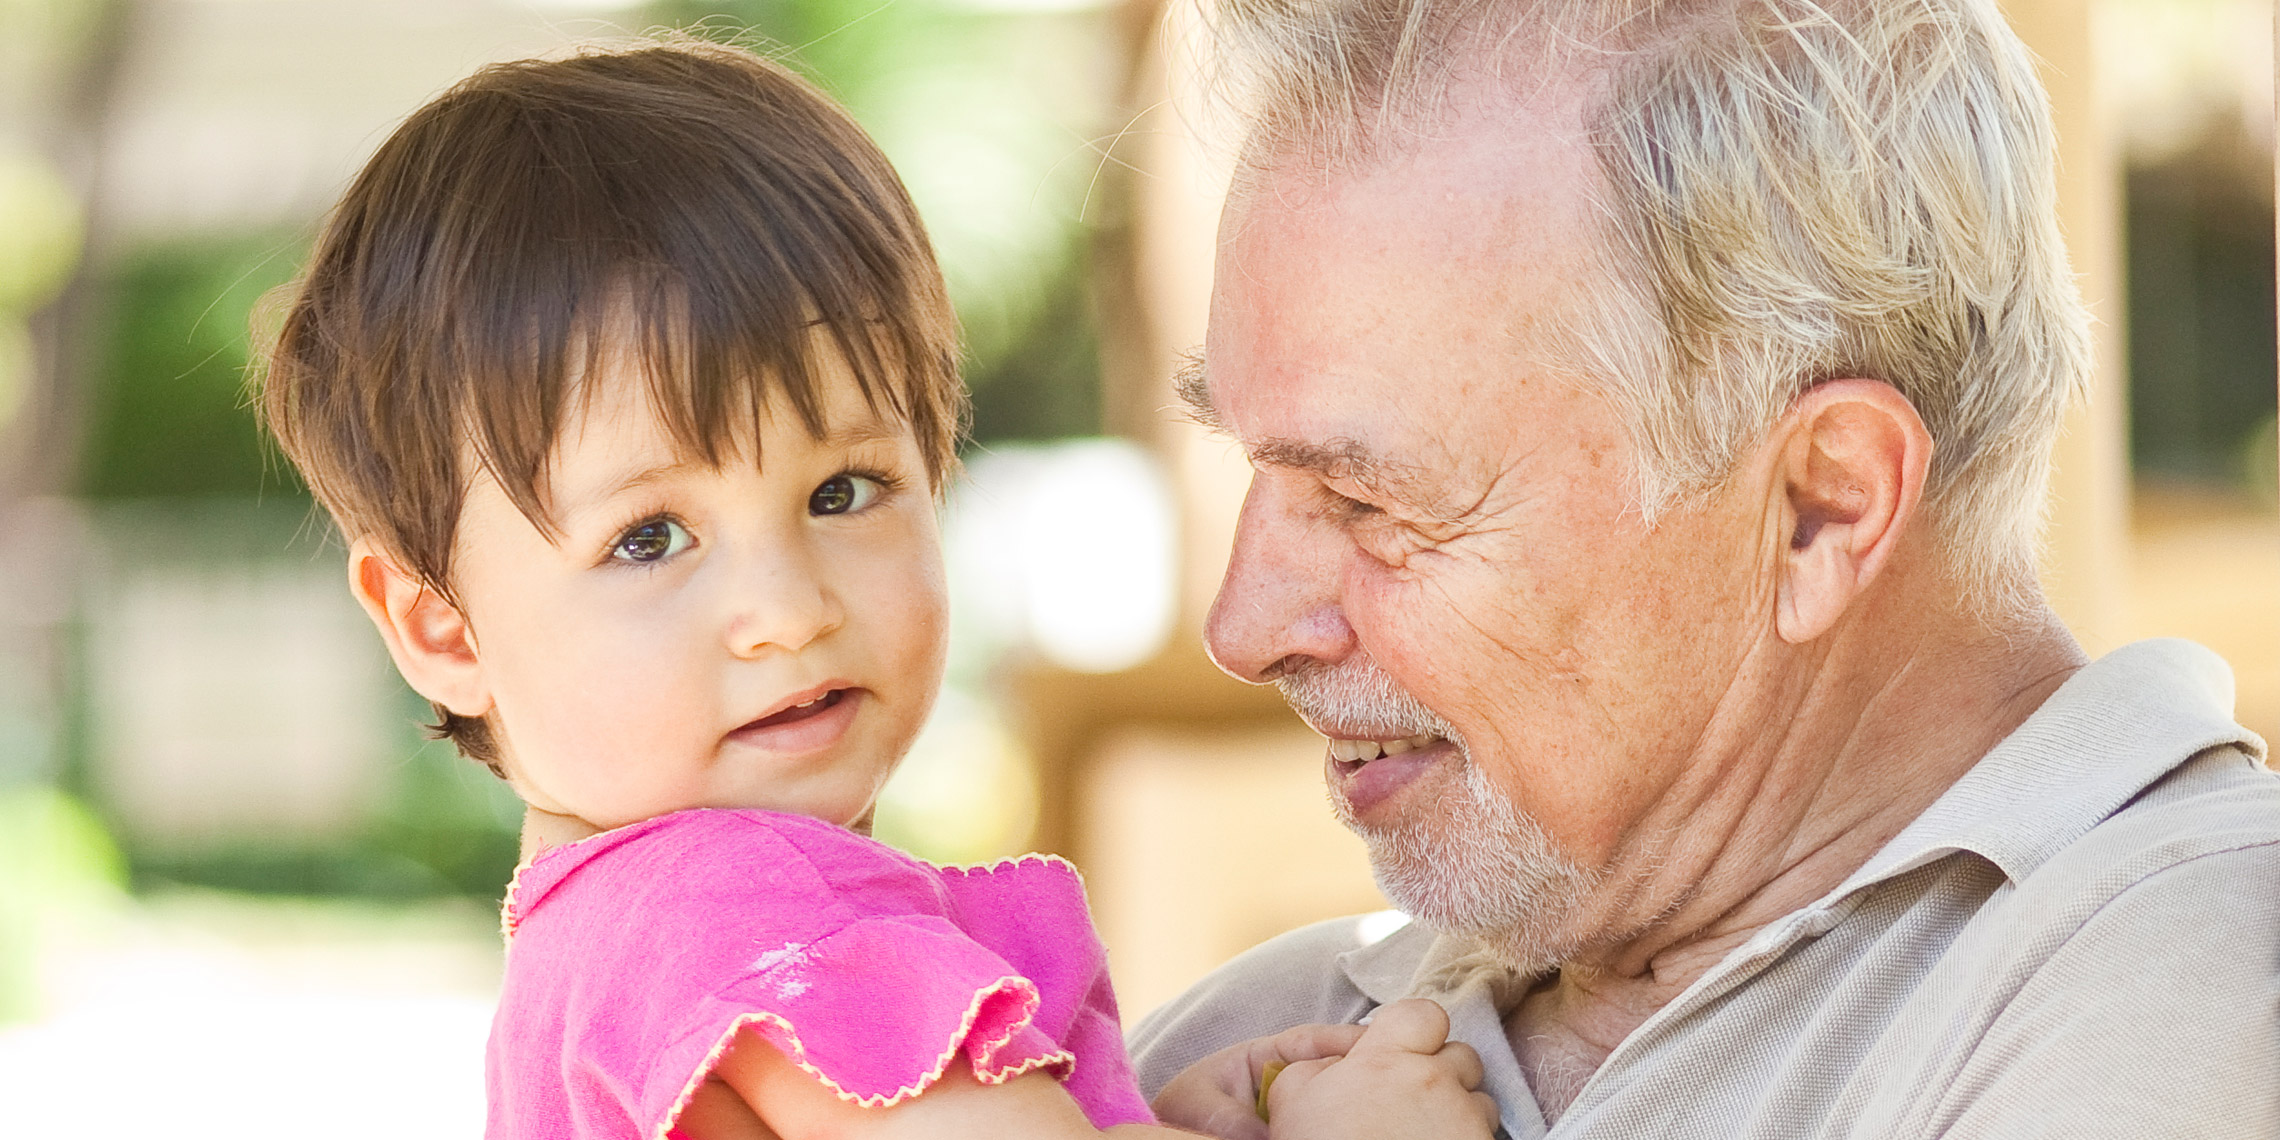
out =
column 1852, row 457
column 429, row 638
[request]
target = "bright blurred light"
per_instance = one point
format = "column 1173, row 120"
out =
column 965, row 793
column 1068, row 549
column 235, row 1063
column 251, row 1019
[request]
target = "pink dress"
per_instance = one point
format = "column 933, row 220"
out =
column 635, row 957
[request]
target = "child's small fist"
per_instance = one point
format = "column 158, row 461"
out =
column 1219, row 1095
column 1402, row 1078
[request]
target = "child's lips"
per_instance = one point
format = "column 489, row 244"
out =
column 809, row 724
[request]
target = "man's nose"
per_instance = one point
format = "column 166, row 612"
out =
column 1278, row 606
column 779, row 601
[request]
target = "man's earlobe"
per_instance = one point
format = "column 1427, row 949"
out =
column 428, row 637
column 1854, row 456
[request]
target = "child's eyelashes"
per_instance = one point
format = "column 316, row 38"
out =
column 657, row 537
column 651, row 541
column 849, row 492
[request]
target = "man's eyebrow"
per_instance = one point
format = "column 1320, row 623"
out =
column 1346, row 459
column 1340, row 458
column 1194, row 388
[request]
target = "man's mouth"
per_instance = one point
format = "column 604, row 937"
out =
column 1364, row 773
column 1360, row 752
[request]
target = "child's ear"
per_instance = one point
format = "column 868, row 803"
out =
column 429, row 638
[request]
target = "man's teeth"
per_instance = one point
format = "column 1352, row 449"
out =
column 1365, row 751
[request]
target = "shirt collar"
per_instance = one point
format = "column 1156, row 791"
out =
column 1413, row 961
column 1384, row 968
column 2113, row 729
column 2110, row 731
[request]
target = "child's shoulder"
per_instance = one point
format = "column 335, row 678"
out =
column 687, row 849
column 723, row 855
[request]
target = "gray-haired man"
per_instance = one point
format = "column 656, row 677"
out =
column 1650, row 407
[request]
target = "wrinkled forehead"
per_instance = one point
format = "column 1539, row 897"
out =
column 1483, row 243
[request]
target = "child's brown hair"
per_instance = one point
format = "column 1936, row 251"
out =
column 701, row 202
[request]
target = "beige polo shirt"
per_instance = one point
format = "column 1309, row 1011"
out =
column 2080, row 940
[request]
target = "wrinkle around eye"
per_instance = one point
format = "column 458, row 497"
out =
column 1388, row 541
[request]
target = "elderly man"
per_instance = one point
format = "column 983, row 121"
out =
column 1650, row 407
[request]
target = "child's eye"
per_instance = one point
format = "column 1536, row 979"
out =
column 651, row 541
column 842, row 494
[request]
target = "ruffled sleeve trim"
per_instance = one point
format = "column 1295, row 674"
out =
column 989, row 1068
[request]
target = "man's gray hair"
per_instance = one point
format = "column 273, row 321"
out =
column 1793, row 191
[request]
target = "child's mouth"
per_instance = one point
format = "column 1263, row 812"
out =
column 801, row 711
column 811, row 727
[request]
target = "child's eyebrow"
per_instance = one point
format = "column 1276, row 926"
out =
column 852, row 434
column 871, row 429
column 653, row 474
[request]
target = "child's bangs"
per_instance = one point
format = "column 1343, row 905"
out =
column 713, row 374
column 730, row 257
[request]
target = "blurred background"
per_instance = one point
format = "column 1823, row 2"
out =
column 221, row 833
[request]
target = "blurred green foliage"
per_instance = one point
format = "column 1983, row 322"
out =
column 168, row 413
column 447, row 828
column 2260, row 463
column 433, row 824
column 40, row 232
column 57, row 868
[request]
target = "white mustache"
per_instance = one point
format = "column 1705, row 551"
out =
column 1356, row 698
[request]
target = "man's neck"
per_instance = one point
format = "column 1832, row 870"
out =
column 1865, row 733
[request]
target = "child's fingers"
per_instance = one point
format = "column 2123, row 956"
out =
column 1491, row 1118
column 1411, row 1025
column 1464, row 1062
column 1292, row 1080
column 1303, row 1043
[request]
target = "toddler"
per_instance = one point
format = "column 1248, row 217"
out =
column 631, row 381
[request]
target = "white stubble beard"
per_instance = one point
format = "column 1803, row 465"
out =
column 1468, row 864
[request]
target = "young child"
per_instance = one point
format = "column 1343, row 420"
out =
column 631, row 380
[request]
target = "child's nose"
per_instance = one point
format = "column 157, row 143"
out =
column 781, row 605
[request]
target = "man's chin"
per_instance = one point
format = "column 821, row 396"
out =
column 1480, row 871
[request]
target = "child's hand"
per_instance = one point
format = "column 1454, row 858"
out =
column 1219, row 1095
column 1404, row 1077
